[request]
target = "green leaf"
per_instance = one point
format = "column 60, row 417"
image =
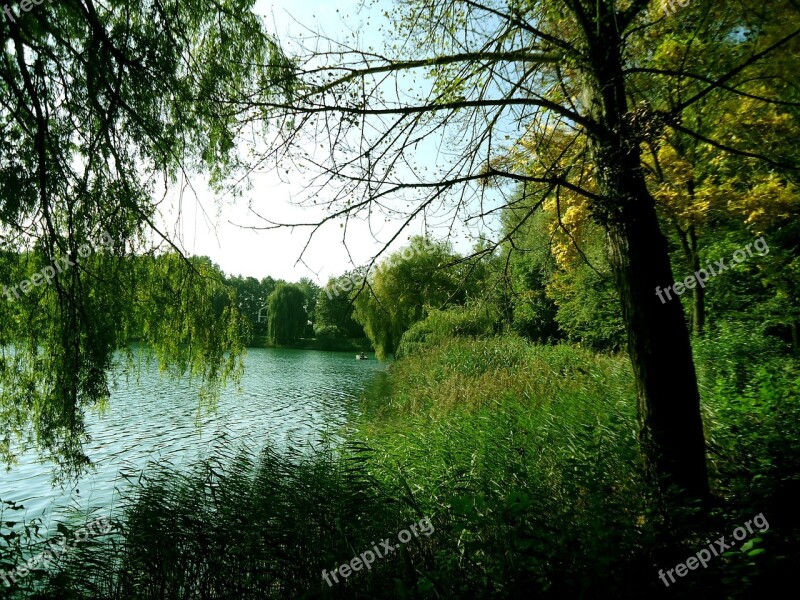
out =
column 425, row 586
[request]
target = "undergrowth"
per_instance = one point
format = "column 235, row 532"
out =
column 524, row 457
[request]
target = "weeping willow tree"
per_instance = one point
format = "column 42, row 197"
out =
column 418, row 276
column 101, row 106
column 287, row 314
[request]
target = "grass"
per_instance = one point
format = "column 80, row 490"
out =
column 525, row 459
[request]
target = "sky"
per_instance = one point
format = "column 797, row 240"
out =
column 217, row 227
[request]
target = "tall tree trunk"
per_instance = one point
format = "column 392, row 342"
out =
column 699, row 291
column 671, row 428
column 688, row 240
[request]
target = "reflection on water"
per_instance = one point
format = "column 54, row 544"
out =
column 285, row 395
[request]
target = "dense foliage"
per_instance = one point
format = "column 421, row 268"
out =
column 102, row 108
column 546, row 400
column 523, row 456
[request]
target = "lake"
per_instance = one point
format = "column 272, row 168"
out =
column 285, row 396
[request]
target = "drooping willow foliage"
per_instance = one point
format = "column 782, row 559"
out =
column 102, row 107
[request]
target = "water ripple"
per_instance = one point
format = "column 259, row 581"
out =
column 285, row 396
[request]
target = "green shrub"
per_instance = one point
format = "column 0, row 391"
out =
column 329, row 332
column 470, row 321
column 750, row 383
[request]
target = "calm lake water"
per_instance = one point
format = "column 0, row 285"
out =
column 285, row 396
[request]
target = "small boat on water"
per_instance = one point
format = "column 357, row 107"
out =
column 361, row 356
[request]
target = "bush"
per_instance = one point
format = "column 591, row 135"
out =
column 329, row 332
column 750, row 383
column 471, row 321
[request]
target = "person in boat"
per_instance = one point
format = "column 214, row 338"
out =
column 362, row 356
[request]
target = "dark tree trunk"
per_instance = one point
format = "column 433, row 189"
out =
column 671, row 428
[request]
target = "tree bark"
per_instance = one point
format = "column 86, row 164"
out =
column 671, row 428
